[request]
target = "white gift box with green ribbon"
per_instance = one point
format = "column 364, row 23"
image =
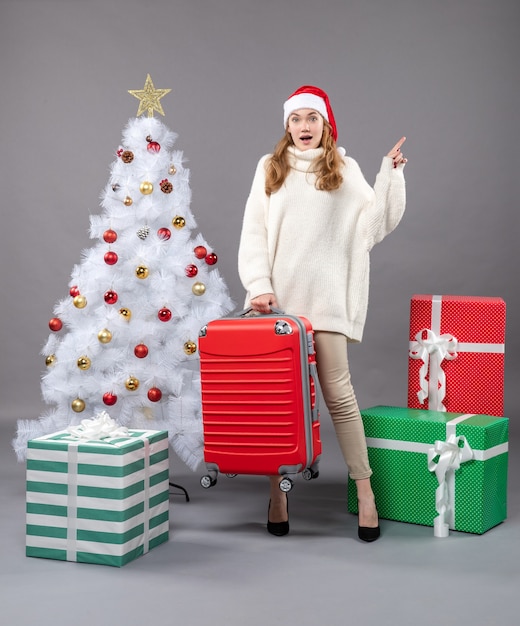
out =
column 97, row 495
column 446, row 470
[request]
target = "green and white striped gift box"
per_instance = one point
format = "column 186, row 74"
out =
column 104, row 502
column 401, row 442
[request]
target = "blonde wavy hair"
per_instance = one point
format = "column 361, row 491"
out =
column 327, row 166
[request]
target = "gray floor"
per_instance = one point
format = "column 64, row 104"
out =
column 220, row 567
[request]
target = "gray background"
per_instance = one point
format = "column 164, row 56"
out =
column 442, row 72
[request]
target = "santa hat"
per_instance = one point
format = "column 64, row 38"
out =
column 309, row 97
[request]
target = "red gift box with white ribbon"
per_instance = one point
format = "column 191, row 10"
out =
column 456, row 354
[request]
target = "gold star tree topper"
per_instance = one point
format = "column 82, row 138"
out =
column 149, row 98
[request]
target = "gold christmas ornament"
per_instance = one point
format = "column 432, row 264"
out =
column 126, row 313
column 190, row 347
column 128, row 201
column 142, row 272
column 50, row 360
column 104, row 336
column 179, row 222
column 80, row 302
column 198, row 289
column 149, row 98
column 132, row 383
column 172, row 170
column 146, row 187
column 78, row 405
column 84, row 363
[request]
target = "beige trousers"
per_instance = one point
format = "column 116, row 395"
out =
column 338, row 393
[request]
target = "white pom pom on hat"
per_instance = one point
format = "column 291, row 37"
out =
column 310, row 97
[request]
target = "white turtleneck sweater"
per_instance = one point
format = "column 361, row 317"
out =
column 311, row 248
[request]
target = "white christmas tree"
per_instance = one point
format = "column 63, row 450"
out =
column 124, row 340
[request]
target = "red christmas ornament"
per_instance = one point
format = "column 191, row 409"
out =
column 110, row 258
column 154, row 394
column 211, row 258
column 55, row 324
column 111, row 297
column 110, row 236
column 153, row 146
column 141, row 351
column 164, row 233
column 164, row 315
column 191, row 270
column 74, row 291
column 109, row 398
column 200, row 252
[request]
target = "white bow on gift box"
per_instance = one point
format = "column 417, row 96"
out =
column 445, row 458
column 100, row 427
column 432, row 349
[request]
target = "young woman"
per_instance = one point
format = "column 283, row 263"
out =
column 309, row 224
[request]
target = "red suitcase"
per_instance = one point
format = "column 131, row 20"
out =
column 259, row 411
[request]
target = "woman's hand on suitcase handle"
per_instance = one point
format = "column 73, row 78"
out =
column 264, row 302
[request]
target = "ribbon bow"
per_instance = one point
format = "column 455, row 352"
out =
column 449, row 455
column 100, row 427
column 432, row 350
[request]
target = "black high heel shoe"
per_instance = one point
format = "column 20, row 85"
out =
column 369, row 533
column 365, row 533
column 279, row 529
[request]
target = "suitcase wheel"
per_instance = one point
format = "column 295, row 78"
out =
column 286, row 484
column 309, row 473
column 208, row 481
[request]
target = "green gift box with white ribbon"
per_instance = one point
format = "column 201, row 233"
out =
column 102, row 501
column 446, row 470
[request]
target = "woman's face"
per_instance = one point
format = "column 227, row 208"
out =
column 306, row 128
